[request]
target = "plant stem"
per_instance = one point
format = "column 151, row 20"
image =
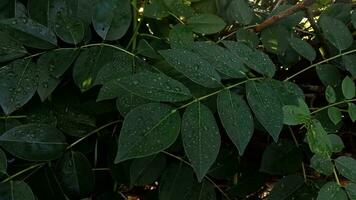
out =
column 108, row 45
column 336, row 176
column 92, row 132
column 218, row 91
column 318, row 63
column 22, row 171
column 13, row 117
column 334, row 104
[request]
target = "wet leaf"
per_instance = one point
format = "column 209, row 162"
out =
column 147, row 130
column 18, row 85
column 206, row 23
column 69, row 29
column 318, row 139
column 34, row 142
column 266, row 106
column 112, row 18
column 303, row 48
column 29, row 33
column 16, row 190
column 346, row 166
column 332, row 191
column 285, row 187
column 322, row 164
column 192, row 66
column 10, row 49
column 348, row 88
column 236, row 118
column 199, row 131
column 335, row 115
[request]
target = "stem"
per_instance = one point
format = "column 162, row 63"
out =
column 334, row 104
column 22, row 171
column 218, row 91
column 206, row 177
column 92, row 132
column 108, row 45
column 13, row 117
column 321, row 62
column 336, row 176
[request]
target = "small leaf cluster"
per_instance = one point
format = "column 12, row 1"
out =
column 177, row 99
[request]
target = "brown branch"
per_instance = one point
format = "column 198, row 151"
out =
column 275, row 18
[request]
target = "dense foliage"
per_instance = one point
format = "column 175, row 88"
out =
column 177, row 99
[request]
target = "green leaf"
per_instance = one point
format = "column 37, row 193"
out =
column 156, row 9
column 274, row 39
column 74, row 121
column 335, row 115
column 147, row 130
column 18, row 84
column 285, row 187
column 69, row 29
column 16, row 190
column 199, row 131
column 348, row 88
column 329, row 74
column 153, row 86
column 10, row 49
column 266, row 106
column 349, row 62
column 281, row 158
column 322, row 164
column 352, row 111
column 294, row 115
column 248, row 37
column 127, row 101
column 29, row 33
column 89, row 63
column 34, row 142
column 236, row 118
column 3, row 161
column 146, row 170
column 240, row 11
column 351, row 191
column 303, row 48
column 332, row 191
column 330, row 94
column 204, row 190
column 206, row 23
column 256, row 60
column 75, row 174
column 193, row 67
column 287, row 92
column 112, row 18
column 51, row 66
column 318, row 139
column 224, row 61
column 176, row 182
column 180, row 36
column 346, row 166
column 337, row 144
column 336, row 32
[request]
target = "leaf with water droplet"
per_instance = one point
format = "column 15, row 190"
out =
column 335, row 114
column 274, row 39
column 147, row 130
column 236, row 118
column 193, row 67
column 29, row 32
column 322, row 164
column 351, row 187
column 336, row 32
column 346, row 166
column 180, row 36
column 112, row 18
column 266, row 106
column 10, row 49
column 16, row 190
column 34, row 142
column 18, row 84
column 201, row 138
column 254, row 59
column 153, row 86
column 285, row 187
column 223, row 60
column 294, row 115
column 348, row 88
column 303, row 48
column 69, row 29
column 206, row 23
column 318, row 140
column 51, row 66
column 332, row 191
column 75, row 175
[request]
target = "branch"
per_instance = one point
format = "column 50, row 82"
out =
column 275, row 18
